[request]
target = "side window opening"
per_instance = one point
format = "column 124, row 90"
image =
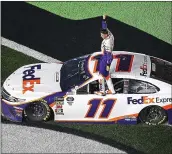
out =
column 125, row 86
column 118, row 84
column 89, row 88
column 141, row 87
column 94, row 86
column 82, row 90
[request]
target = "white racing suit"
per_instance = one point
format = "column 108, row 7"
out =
column 107, row 48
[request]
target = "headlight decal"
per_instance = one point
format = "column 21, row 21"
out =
column 8, row 97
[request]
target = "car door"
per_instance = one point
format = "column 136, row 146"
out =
column 89, row 107
column 86, row 107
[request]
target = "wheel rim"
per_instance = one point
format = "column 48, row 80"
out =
column 37, row 109
column 154, row 114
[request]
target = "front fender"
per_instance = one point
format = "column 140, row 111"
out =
column 11, row 112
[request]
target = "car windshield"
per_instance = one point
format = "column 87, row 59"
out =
column 74, row 72
column 161, row 70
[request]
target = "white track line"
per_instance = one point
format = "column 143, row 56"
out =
column 27, row 51
column 23, row 139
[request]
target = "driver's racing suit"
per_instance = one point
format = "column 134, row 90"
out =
column 106, row 59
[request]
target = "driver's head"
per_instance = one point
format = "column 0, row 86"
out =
column 104, row 33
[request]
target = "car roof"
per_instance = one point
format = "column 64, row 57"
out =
column 129, row 64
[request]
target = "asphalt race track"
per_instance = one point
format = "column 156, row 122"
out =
column 59, row 136
column 29, row 139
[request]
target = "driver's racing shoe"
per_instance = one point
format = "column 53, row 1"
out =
column 110, row 92
column 101, row 93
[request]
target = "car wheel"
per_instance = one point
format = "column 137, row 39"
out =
column 153, row 115
column 3, row 118
column 37, row 111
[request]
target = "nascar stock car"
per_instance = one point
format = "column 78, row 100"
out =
column 65, row 92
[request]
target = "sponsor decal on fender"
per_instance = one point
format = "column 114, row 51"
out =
column 59, row 98
column 59, row 111
column 18, row 111
column 19, row 108
column 147, row 100
column 70, row 99
column 59, row 105
column 29, row 78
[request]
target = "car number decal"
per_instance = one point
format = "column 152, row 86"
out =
column 124, row 62
column 94, row 104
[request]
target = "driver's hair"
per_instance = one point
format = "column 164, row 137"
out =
column 104, row 31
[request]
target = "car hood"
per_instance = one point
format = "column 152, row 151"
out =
column 34, row 81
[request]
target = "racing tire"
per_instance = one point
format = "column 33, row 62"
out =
column 3, row 118
column 37, row 112
column 153, row 115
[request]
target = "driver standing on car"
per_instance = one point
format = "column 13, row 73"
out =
column 105, row 61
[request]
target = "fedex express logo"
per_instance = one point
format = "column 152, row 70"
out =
column 29, row 78
column 147, row 100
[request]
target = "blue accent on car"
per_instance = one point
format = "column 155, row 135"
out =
column 10, row 112
column 169, row 113
column 93, row 108
column 127, row 121
column 109, row 103
column 51, row 98
column 87, row 122
column 122, row 121
column 125, row 62
column 74, row 72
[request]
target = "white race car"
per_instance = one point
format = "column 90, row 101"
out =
column 64, row 92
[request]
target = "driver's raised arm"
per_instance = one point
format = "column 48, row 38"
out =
column 104, row 25
column 108, row 38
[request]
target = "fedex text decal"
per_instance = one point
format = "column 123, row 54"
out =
column 29, row 78
column 147, row 100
